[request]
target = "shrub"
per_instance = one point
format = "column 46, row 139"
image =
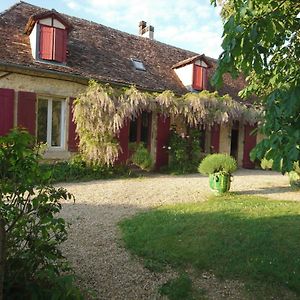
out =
column 215, row 163
column 76, row 169
column 184, row 151
column 294, row 176
column 34, row 267
column 294, row 180
column 142, row 158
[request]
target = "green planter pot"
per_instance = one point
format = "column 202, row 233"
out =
column 219, row 183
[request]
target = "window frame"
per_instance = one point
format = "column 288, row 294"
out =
column 138, row 129
column 63, row 128
column 138, row 64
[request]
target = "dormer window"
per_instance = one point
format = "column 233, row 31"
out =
column 138, row 64
column 192, row 72
column 48, row 34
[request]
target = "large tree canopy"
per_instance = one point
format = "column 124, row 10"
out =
column 261, row 39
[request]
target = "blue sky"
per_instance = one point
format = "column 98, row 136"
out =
column 190, row 24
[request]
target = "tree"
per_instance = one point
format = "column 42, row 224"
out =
column 261, row 39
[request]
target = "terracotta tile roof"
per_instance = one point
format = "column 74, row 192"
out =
column 99, row 52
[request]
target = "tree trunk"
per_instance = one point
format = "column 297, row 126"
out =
column 2, row 256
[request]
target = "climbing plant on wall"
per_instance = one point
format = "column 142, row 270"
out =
column 101, row 111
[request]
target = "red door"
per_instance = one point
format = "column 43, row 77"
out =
column 249, row 144
column 215, row 139
column 163, row 130
column 123, row 140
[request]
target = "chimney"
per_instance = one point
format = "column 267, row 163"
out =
column 146, row 31
column 142, row 26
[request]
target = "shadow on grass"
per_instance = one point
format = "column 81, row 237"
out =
column 267, row 190
column 256, row 241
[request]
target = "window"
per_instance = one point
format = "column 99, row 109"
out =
column 140, row 129
column 52, row 43
column 138, row 64
column 51, row 122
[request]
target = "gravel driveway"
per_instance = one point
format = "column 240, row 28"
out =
column 94, row 246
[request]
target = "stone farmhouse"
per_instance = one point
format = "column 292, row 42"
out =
column 47, row 58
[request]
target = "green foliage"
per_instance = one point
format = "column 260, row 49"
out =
column 295, row 176
column 227, row 8
column 101, row 111
column 294, row 180
column 297, row 167
column 184, row 150
column 261, row 40
column 142, row 158
column 178, row 289
column 76, row 169
column 247, row 238
column 217, row 163
column 34, row 265
column 266, row 164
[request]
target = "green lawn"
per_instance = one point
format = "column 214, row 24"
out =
column 252, row 239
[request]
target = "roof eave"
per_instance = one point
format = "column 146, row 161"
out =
column 31, row 71
column 191, row 60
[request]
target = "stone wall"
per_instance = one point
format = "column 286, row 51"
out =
column 40, row 85
column 43, row 87
column 225, row 138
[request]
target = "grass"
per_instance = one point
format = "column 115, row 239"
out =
column 248, row 238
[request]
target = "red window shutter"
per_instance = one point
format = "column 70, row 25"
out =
column 60, row 45
column 27, row 111
column 6, row 110
column 197, row 78
column 205, row 79
column 73, row 138
column 163, row 132
column 46, row 42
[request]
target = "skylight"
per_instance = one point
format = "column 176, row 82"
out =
column 138, row 64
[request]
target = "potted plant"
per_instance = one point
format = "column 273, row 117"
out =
column 219, row 167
